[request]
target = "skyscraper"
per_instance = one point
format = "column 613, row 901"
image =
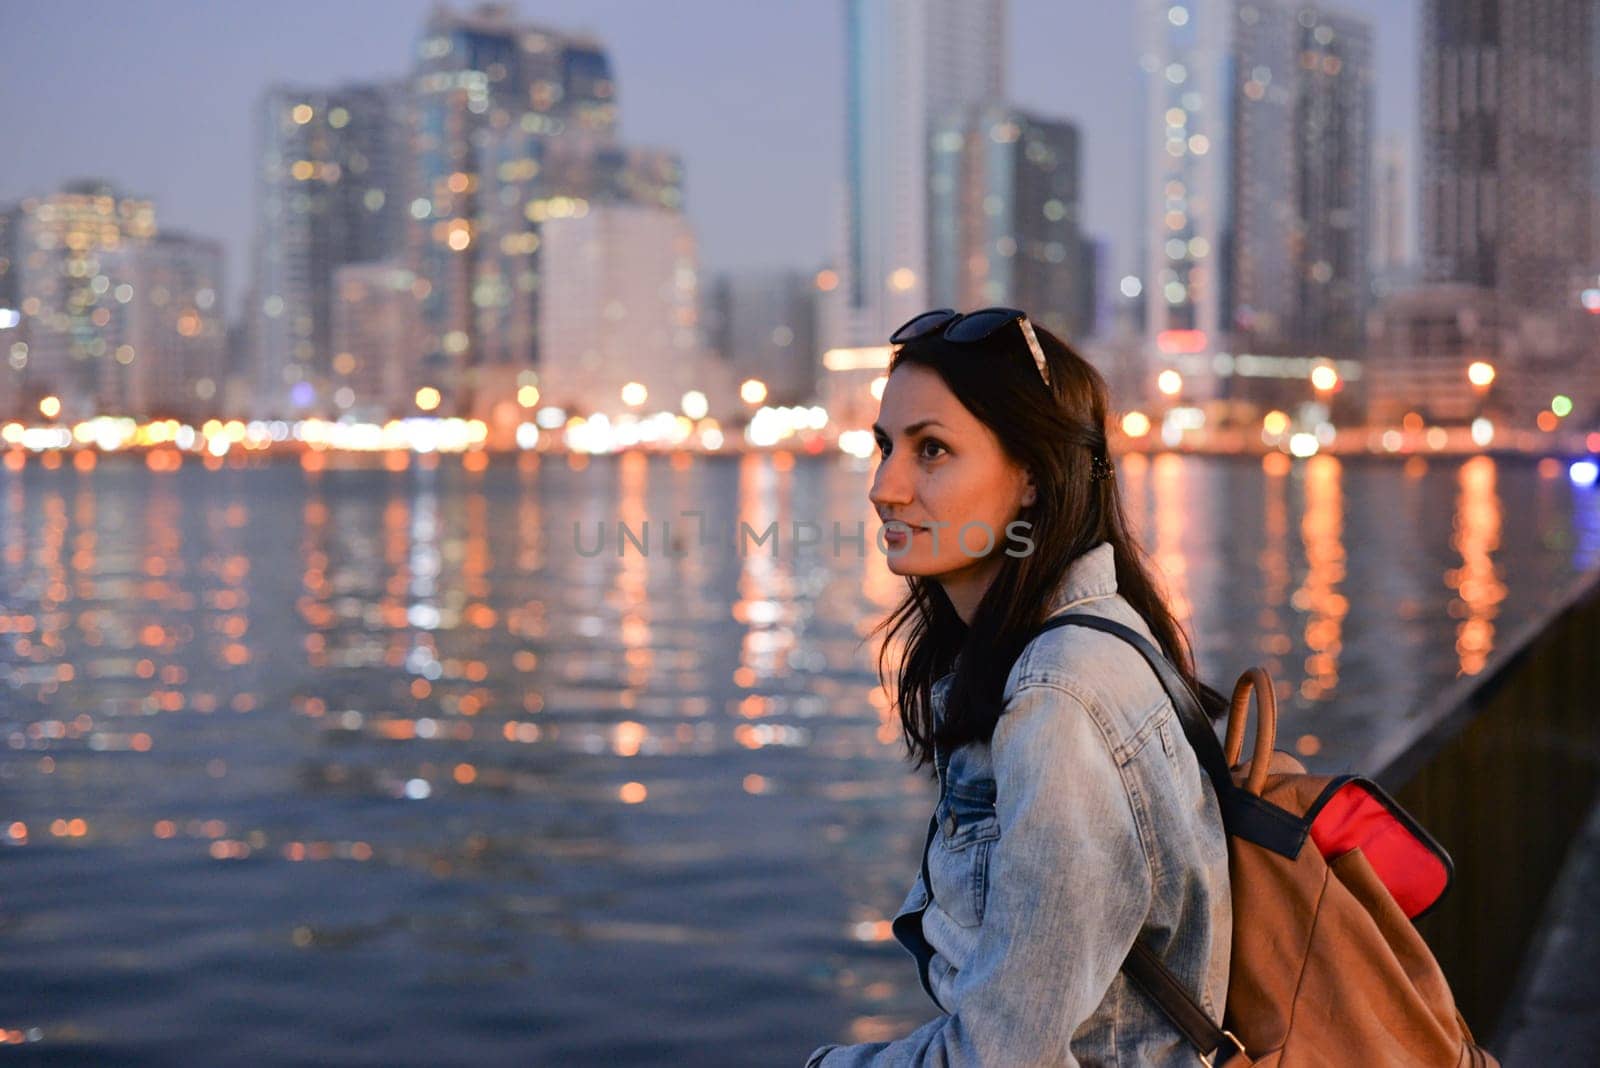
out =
column 330, row 189
column 375, row 323
column 1183, row 202
column 1508, row 99
column 1509, row 182
column 619, row 304
column 13, row 339
column 1005, row 210
column 167, row 334
column 764, row 327
column 907, row 62
column 1300, row 181
column 1393, row 253
column 65, row 286
column 10, row 267
column 535, row 175
column 482, row 75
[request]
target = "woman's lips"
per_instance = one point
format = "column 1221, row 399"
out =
column 898, row 533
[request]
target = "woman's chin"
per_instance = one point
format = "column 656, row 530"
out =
column 907, row 565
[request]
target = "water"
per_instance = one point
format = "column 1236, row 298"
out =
column 374, row 766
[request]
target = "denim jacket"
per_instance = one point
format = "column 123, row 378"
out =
column 1084, row 824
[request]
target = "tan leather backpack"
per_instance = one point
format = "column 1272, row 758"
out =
column 1327, row 875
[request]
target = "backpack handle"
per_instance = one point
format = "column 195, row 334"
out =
column 1266, row 726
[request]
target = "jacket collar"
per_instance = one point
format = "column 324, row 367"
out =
column 1090, row 577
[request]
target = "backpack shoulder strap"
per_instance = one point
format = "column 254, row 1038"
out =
column 1243, row 814
column 1142, row 966
column 1147, row 972
column 1196, row 727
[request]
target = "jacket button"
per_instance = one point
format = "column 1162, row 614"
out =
column 950, row 824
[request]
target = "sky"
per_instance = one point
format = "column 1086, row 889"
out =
column 156, row 96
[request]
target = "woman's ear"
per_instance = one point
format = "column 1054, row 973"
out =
column 1030, row 493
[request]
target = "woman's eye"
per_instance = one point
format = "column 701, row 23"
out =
column 931, row 444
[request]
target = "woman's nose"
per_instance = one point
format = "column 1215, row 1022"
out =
column 890, row 484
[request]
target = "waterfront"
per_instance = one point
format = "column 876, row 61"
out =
column 375, row 766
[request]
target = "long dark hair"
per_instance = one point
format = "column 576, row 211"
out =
column 1056, row 434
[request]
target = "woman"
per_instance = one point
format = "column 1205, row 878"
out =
column 1073, row 817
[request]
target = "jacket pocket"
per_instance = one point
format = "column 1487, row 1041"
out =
column 958, row 860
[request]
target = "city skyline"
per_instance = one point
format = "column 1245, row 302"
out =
column 775, row 130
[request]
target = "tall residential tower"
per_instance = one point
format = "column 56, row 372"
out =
column 67, row 285
column 330, row 189
column 1300, row 181
column 1184, row 196
column 486, row 90
column 908, row 63
column 1509, row 204
column 1005, row 200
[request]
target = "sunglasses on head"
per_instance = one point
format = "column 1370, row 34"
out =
column 970, row 328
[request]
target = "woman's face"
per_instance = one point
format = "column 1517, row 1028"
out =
column 940, row 469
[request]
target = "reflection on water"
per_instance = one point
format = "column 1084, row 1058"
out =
column 1476, row 582
column 1318, row 598
column 1272, row 620
column 317, row 764
column 1173, row 497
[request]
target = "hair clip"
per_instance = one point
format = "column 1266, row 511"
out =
column 1100, row 468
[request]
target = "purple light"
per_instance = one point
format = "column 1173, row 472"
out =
column 302, row 394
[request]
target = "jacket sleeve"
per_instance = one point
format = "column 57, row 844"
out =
column 1069, row 889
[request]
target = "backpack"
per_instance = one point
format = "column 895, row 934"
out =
column 1327, row 874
